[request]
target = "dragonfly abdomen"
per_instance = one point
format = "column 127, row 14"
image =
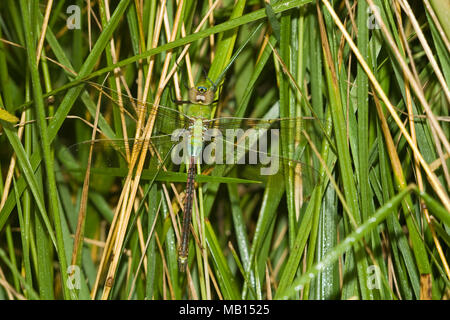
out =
column 184, row 246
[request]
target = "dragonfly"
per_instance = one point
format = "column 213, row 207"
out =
column 201, row 97
column 196, row 127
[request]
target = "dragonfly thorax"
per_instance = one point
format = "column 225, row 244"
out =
column 199, row 111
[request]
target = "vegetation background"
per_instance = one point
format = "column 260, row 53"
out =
column 359, row 211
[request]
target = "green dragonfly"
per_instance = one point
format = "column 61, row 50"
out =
column 241, row 137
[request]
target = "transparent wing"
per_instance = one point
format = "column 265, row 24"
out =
column 133, row 108
column 111, row 154
column 233, row 141
column 179, row 119
column 257, row 154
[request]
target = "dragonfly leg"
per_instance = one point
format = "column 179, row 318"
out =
column 177, row 101
column 220, row 92
column 214, row 87
column 180, row 101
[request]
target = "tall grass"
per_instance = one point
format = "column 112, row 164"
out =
column 358, row 210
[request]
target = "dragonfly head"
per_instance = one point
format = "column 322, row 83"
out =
column 201, row 94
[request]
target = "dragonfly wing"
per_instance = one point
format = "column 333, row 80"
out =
column 107, row 153
column 258, row 148
column 167, row 118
